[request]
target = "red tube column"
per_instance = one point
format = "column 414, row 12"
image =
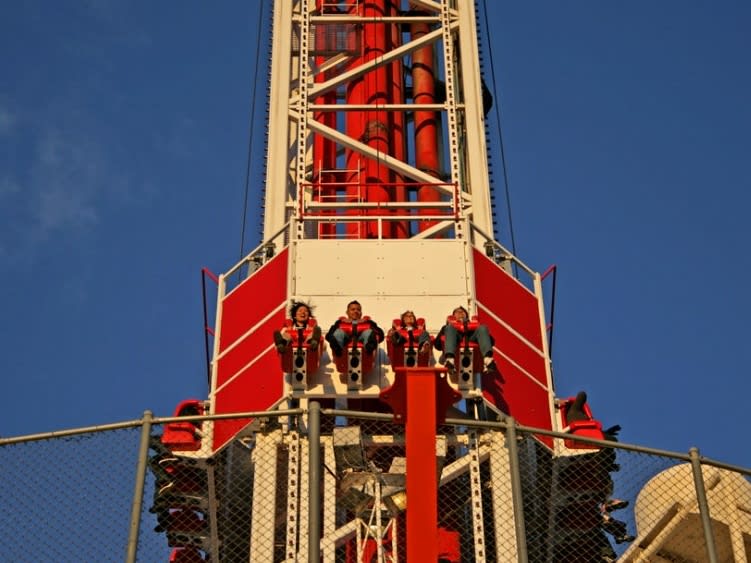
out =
column 324, row 150
column 376, row 131
column 354, row 121
column 419, row 399
column 427, row 154
column 400, row 229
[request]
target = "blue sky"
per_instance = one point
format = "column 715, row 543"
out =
column 124, row 135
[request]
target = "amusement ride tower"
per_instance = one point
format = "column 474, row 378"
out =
column 377, row 190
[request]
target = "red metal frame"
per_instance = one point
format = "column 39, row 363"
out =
column 419, row 399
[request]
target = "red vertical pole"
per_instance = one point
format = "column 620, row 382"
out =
column 324, row 150
column 353, row 125
column 419, row 399
column 397, row 125
column 376, row 127
column 426, row 122
column 422, row 479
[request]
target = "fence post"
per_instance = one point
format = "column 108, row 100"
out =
column 135, row 513
column 516, row 490
column 314, row 485
column 701, row 499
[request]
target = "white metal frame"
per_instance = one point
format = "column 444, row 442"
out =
column 291, row 123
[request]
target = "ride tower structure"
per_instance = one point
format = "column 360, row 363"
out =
column 376, row 190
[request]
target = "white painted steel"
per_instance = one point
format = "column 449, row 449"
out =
column 293, row 509
column 278, row 181
column 328, row 523
column 502, row 499
column 303, row 520
column 476, row 180
column 475, row 485
column 264, row 497
column 292, row 87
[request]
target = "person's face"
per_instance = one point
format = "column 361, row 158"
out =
column 459, row 314
column 408, row 318
column 302, row 314
column 354, row 311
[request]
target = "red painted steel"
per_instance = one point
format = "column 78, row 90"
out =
column 527, row 358
column 354, row 127
column 422, row 481
column 419, row 399
column 520, row 388
column 255, row 390
column 517, row 395
column 426, row 122
column 234, row 361
column 184, row 436
column 589, row 428
column 242, row 308
column 245, row 337
column 376, row 131
column 324, row 150
column 507, row 298
column 397, row 125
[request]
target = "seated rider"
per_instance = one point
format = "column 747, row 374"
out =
column 302, row 319
column 409, row 324
column 363, row 330
column 459, row 329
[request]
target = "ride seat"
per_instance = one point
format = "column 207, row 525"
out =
column 187, row 528
column 408, row 354
column 468, row 358
column 299, row 360
column 355, row 361
column 186, row 521
column 588, row 427
column 184, row 436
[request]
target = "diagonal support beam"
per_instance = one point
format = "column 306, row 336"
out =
column 390, row 162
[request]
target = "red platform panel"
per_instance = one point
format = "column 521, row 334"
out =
column 254, row 390
column 519, row 396
column 249, row 375
column 521, row 387
column 507, row 298
column 253, row 299
column 527, row 358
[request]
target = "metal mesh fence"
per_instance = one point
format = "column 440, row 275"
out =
column 200, row 503
column 70, row 498
column 579, row 506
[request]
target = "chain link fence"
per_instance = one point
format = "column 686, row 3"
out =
column 516, row 494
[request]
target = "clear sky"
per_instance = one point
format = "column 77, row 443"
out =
column 123, row 152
